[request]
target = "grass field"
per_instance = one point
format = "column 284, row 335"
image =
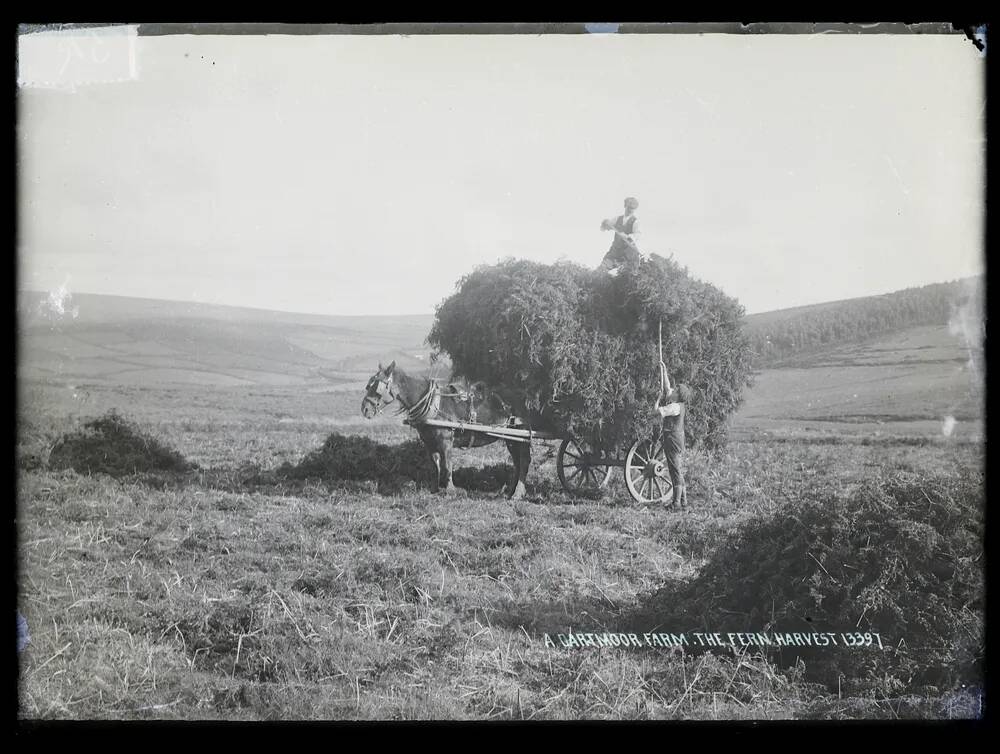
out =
column 219, row 594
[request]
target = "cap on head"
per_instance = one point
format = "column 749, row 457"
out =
column 632, row 203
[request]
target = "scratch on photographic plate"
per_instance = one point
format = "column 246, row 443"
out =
column 967, row 321
column 902, row 186
column 978, row 37
column 23, row 637
column 948, row 425
column 601, row 28
column 67, row 58
column 59, row 304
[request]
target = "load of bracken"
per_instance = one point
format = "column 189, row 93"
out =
column 577, row 350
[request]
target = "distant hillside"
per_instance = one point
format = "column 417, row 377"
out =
column 779, row 335
column 904, row 383
column 36, row 307
column 88, row 338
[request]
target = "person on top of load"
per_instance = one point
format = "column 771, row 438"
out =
column 624, row 247
column 670, row 408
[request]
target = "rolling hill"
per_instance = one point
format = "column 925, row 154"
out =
column 131, row 341
column 779, row 337
column 920, row 381
column 158, row 358
column 906, row 363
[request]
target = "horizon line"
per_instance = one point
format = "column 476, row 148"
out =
column 431, row 314
column 224, row 306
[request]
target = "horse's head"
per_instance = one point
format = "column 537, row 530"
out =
column 379, row 392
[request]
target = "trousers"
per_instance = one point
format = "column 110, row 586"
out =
column 675, row 465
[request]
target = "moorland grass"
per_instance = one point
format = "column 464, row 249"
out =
column 114, row 445
column 256, row 601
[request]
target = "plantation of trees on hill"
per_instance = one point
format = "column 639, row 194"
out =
column 781, row 334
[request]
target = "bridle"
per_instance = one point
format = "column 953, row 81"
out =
column 380, row 388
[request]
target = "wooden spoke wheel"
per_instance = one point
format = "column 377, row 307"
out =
column 646, row 473
column 581, row 466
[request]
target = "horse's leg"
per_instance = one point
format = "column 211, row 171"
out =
column 522, row 472
column 444, row 476
column 431, row 443
column 515, row 458
column 526, row 458
column 522, row 457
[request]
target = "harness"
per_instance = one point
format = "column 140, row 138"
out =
column 428, row 404
column 430, row 401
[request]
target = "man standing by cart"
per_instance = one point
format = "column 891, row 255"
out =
column 671, row 409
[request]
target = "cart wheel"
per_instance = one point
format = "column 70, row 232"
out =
column 646, row 474
column 576, row 467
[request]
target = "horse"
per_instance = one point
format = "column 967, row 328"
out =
column 422, row 398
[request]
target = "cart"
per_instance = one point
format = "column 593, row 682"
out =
column 581, row 466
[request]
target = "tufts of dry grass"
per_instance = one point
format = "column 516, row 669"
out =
column 114, row 445
column 233, row 595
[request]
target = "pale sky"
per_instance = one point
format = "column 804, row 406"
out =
column 366, row 174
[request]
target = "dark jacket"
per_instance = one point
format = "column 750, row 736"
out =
column 620, row 251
